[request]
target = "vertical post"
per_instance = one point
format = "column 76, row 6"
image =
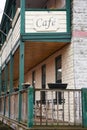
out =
column 68, row 7
column 22, row 13
column 84, row 107
column 30, row 107
column 0, row 81
column 21, row 77
column 11, row 80
column 6, row 78
column 11, row 73
column 0, row 86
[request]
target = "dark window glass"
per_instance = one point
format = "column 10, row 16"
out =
column 50, row 4
column 59, row 76
column 43, row 83
column 58, row 70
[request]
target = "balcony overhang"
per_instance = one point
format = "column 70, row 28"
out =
column 37, row 52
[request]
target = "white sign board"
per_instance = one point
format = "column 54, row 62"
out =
column 45, row 21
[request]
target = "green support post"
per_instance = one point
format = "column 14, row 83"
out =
column 11, row 81
column 22, row 13
column 30, row 107
column 68, row 7
column 11, row 73
column 84, row 107
column 21, row 77
column 0, row 81
column 6, row 80
column 21, row 65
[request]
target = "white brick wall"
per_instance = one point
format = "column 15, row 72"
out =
column 79, row 40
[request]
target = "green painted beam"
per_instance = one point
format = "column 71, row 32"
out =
column 84, row 107
column 6, row 81
column 11, row 72
column 30, row 107
column 22, row 13
column 51, row 37
column 0, row 81
column 4, row 105
column 68, row 7
column 11, row 81
column 9, row 106
column 21, row 65
column 21, row 77
column 6, row 78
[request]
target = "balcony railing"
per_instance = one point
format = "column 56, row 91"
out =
column 60, row 107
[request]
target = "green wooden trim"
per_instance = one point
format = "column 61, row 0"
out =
column 9, row 107
column 22, row 13
column 30, row 107
column 34, row 9
column 11, row 73
column 0, row 81
column 68, row 7
column 5, row 90
column 50, row 37
column 4, row 105
column 59, row 37
column 21, row 65
column 84, row 107
column 21, row 78
column 6, row 78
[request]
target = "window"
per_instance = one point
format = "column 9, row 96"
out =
column 50, row 4
column 58, row 65
column 43, row 69
column 58, row 70
column 56, row 4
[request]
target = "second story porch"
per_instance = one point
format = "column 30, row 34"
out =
column 39, row 21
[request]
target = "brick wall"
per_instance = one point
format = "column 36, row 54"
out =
column 79, row 41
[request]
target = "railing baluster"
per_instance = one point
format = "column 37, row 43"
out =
column 57, row 108
column 52, row 107
column 40, row 108
column 69, row 107
column 74, row 107
column 46, row 113
column 63, row 107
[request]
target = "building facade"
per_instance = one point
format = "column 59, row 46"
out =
column 42, row 42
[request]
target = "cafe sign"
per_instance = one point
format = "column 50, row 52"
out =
column 53, row 21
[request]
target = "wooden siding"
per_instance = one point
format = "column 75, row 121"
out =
column 11, row 39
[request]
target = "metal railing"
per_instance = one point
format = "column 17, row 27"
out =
column 57, row 107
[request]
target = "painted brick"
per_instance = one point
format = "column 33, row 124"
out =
column 79, row 41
